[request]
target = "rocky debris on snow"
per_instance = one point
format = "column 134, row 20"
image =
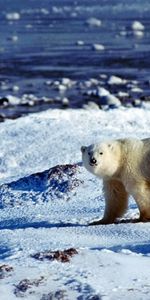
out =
column 58, row 295
column 62, row 256
column 58, row 182
column 64, row 177
column 5, row 270
column 65, row 295
column 26, row 284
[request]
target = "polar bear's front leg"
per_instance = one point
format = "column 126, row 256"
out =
column 116, row 202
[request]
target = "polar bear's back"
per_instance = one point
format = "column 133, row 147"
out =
column 146, row 143
column 136, row 154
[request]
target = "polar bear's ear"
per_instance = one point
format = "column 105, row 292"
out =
column 110, row 146
column 83, row 148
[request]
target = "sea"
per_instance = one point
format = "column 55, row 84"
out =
column 57, row 53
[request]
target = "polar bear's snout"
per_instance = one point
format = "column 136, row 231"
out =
column 93, row 161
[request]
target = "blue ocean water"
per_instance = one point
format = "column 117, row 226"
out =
column 50, row 40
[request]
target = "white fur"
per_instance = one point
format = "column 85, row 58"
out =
column 124, row 166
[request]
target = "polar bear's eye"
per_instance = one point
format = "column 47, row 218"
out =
column 101, row 153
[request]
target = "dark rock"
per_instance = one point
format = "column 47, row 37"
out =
column 58, row 295
column 3, row 101
column 58, row 182
column 4, row 269
column 2, row 118
column 137, row 103
column 145, row 98
column 62, row 256
column 26, row 284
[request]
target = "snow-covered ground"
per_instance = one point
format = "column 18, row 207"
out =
column 46, row 208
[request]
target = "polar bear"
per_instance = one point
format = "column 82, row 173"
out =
column 124, row 166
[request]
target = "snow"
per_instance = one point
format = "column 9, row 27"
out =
column 50, row 210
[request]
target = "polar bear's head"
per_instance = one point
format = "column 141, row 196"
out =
column 103, row 160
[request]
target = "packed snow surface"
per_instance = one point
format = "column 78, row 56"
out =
column 47, row 199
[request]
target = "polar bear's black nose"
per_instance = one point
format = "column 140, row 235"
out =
column 93, row 161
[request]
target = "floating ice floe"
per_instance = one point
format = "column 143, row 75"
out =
column 87, row 84
column 62, row 87
column 13, row 99
column 44, row 11
column 102, row 92
column 94, row 81
column 59, row 86
column 136, row 25
column 91, row 106
column 65, row 101
column 57, row 10
column 116, row 80
column 110, row 100
column 94, row 22
column 123, row 94
column 103, row 76
column 28, row 26
column 98, row 47
column 138, row 28
column 15, row 88
column 48, row 82
column 106, row 98
column 13, row 16
column 80, row 43
column 67, row 82
column 136, row 90
column 137, row 103
column 138, row 33
column 13, row 38
column 4, row 86
column 123, row 32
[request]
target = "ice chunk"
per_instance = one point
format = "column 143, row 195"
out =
column 80, row 43
column 103, row 92
column 138, row 28
column 13, row 16
column 94, row 22
column 98, row 47
column 13, row 100
column 136, row 25
column 66, row 81
column 116, row 80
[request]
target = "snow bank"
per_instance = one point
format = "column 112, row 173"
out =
column 50, row 210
